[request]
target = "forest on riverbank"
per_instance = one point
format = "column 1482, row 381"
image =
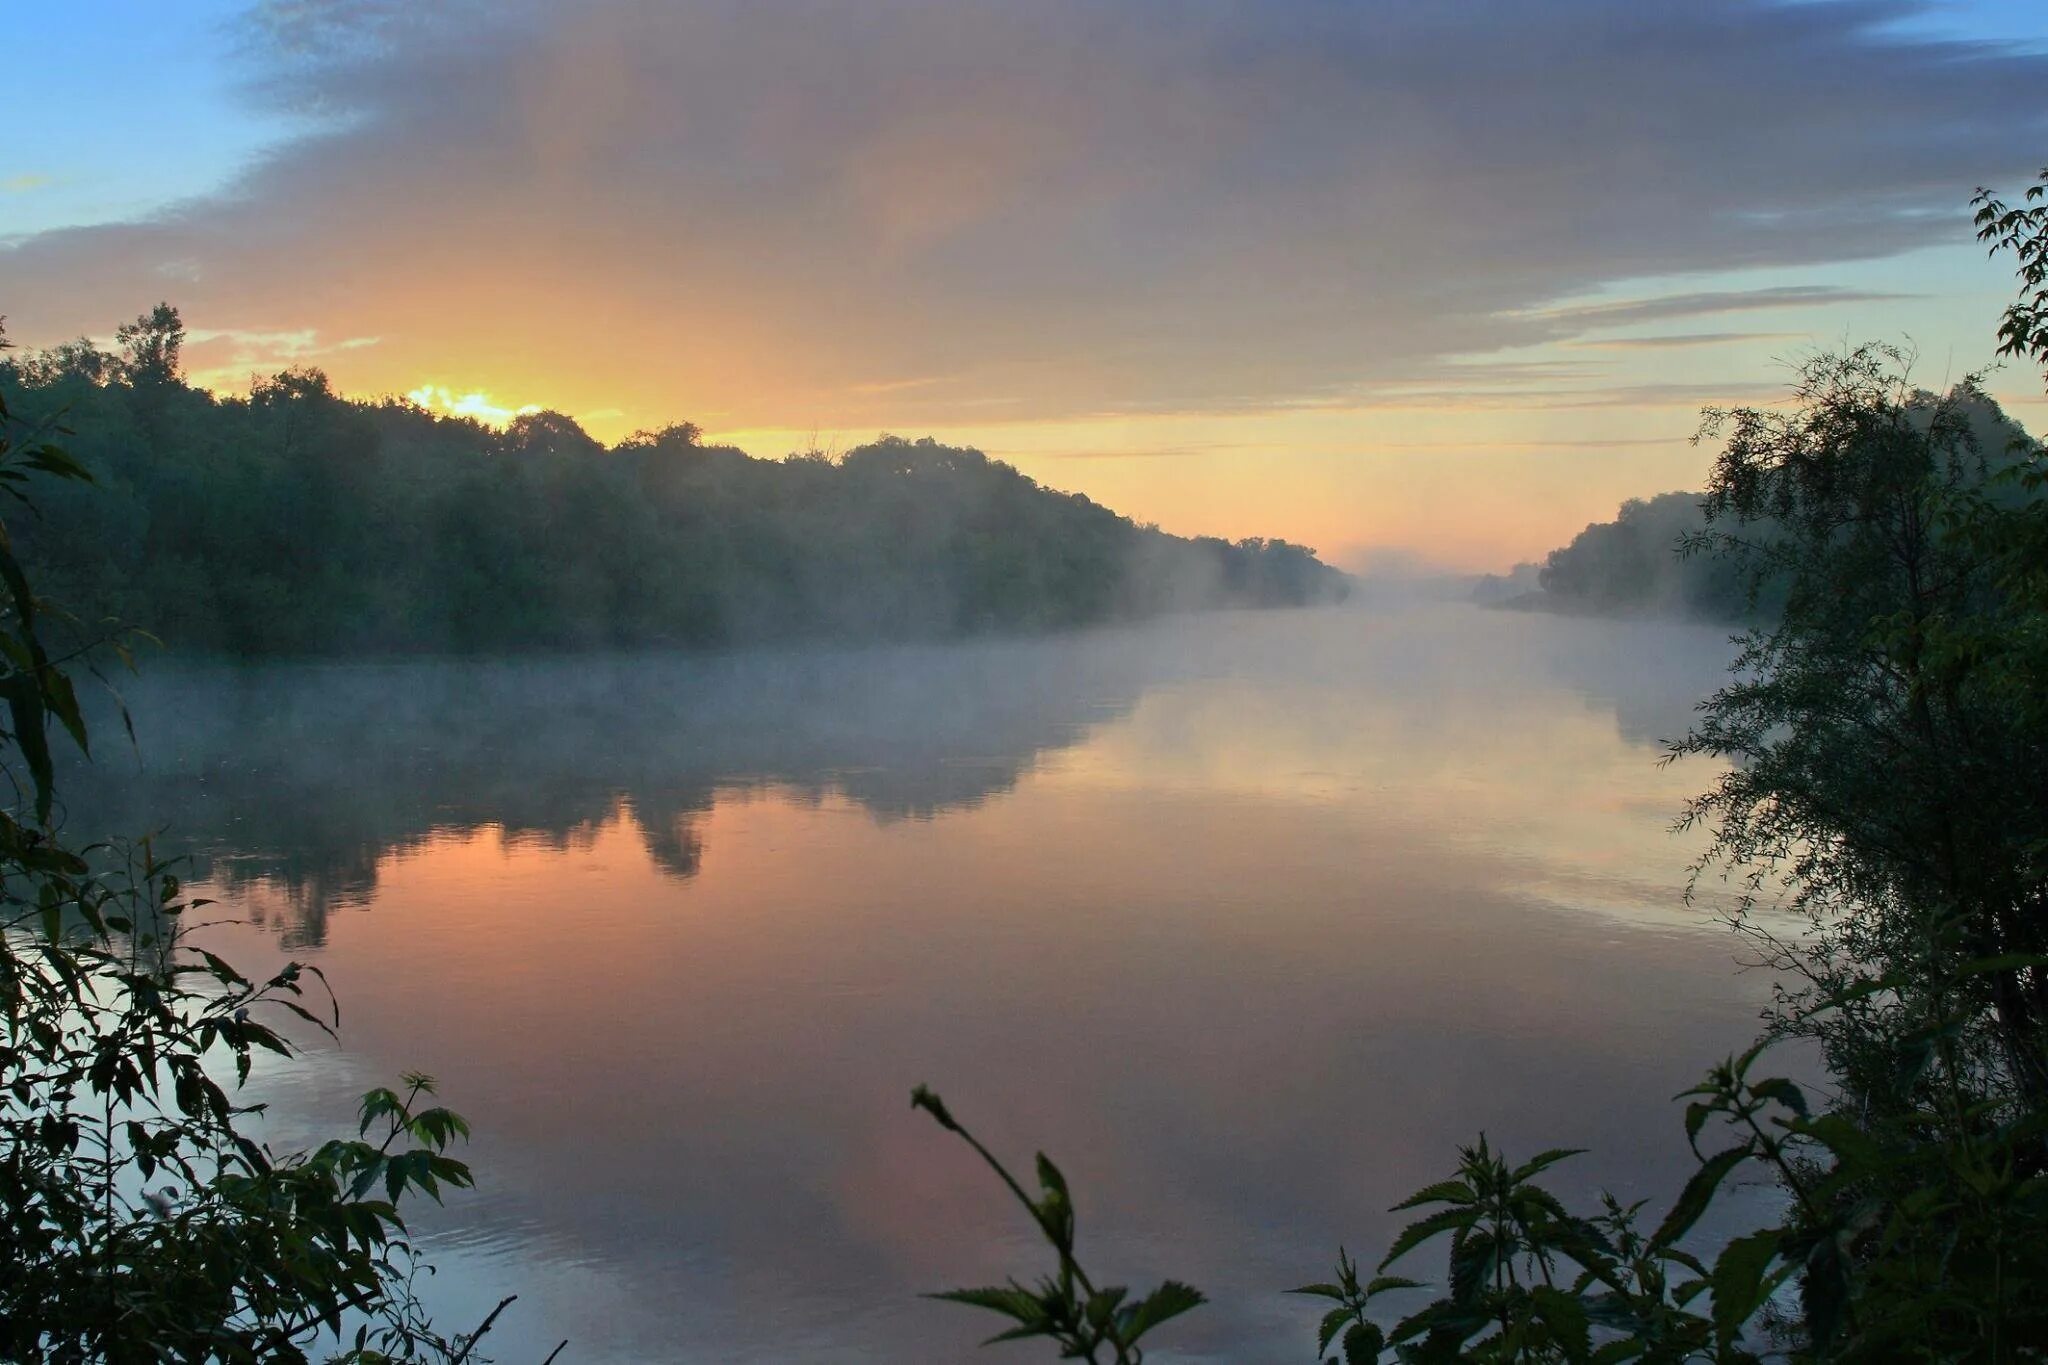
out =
column 1656, row 557
column 299, row 521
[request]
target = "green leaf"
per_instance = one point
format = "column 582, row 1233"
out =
column 56, row 461
column 1169, row 1300
column 1049, row 1177
column 25, row 712
column 1442, row 1192
column 1841, row 1136
column 1783, row 1091
column 1696, row 1115
column 1697, row 1194
column 1102, row 1305
column 1382, row 1283
column 1565, row 1316
column 1543, row 1161
column 1333, row 1323
column 1010, row 1301
column 1416, row 1233
column 1740, row 1283
column 1363, row 1344
column 62, row 702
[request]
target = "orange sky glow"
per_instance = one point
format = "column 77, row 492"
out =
column 1411, row 290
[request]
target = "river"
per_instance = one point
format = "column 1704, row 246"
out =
column 1248, row 919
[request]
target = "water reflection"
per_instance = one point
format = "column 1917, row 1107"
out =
column 305, row 779
column 1249, row 919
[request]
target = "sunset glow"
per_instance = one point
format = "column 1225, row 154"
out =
column 1315, row 295
column 474, row 404
column 1405, row 636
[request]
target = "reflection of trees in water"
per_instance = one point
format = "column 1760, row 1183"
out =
column 292, row 784
column 1651, row 674
column 297, row 901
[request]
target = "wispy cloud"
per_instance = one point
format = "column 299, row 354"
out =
column 1584, row 317
column 1682, row 340
column 1177, row 452
column 1540, row 398
column 287, row 344
column 25, row 183
column 1589, row 443
column 225, row 358
column 798, row 213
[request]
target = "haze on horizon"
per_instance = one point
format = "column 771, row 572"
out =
column 1412, row 281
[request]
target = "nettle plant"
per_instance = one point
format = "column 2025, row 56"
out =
column 1100, row 1324
column 140, row 1218
column 1527, row 1279
column 1915, row 1237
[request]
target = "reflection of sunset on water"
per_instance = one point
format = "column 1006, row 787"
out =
column 1296, row 605
column 1193, row 907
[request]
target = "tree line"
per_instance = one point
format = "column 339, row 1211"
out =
column 295, row 520
column 1657, row 555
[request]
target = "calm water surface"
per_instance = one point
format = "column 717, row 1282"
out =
column 1247, row 919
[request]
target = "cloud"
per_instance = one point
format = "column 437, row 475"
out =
column 281, row 345
column 1178, row 452
column 796, row 212
column 26, row 183
column 1589, row 443
column 1539, row 398
column 1685, row 340
column 1670, row 306
column 226, row 357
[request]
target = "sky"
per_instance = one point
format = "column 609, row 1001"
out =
column 1420, row 283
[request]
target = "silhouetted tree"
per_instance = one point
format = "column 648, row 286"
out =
column 150, row 346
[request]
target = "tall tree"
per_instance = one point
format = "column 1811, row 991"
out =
column 150, row 346
column 1877, row 761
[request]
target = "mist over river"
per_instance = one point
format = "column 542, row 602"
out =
column 1248, row 919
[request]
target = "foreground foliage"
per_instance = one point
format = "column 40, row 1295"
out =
column 1085, row 1322
column 1885, row 729
column 141, row 1216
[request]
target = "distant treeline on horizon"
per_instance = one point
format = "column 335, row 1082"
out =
column 298, row 521
column 1636, row 564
